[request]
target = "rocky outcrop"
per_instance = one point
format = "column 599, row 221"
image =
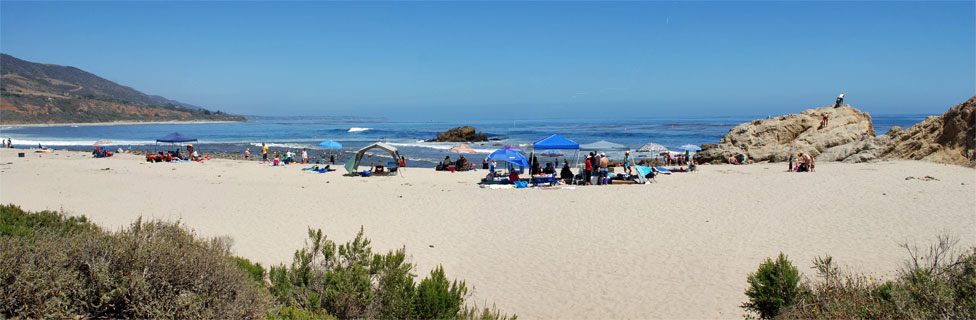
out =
column 948, row 138
column 461, row 134
column 776, row 138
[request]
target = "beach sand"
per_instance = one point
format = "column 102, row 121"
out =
column 678, row 248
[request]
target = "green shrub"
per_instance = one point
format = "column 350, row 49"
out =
column 350, row 281
column 934, row 284
column 438, row 298
column 15, row 222
column 151, row 270
column 773, row 286
column 254, row 270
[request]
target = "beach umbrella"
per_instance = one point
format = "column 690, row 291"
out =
column 689, row 147
column 102, row 142
column 652, row 147
column 330, row 145
column 461, row 148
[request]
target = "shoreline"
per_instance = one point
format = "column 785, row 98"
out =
column 114, row 123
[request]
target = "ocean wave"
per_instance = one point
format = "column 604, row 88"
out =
column 354, row 129
column 74, row 143
column 436, row 146
column 285, row 145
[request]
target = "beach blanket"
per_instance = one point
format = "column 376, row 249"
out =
column 663, row 170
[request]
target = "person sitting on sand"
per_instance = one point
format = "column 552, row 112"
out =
column 549, row 169
column 566, row 173
column 513, row 176
column 403, row 161
column 277, row 158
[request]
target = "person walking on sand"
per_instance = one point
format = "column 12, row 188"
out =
column 247, row 154
column 264, row 152
column 840, row 100
column 304, row 155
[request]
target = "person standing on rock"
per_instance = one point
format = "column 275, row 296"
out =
column 840, row 100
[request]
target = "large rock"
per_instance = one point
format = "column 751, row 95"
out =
column 461, row 134
column 776, row 138
column 948, row 138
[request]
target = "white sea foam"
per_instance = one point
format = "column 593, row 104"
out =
column 284, row 145
column 436, row 146
column 354, row 129
column 68, row 143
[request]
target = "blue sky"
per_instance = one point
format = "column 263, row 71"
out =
column 456, row 60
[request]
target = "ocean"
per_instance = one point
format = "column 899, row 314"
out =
column 296, row 133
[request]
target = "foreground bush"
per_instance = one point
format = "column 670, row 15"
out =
column 57, row 267
column 935, row 283
column 52, row 266
column 772, row 287
column 350, row 281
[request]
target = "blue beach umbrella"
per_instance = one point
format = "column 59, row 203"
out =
column 330, row 145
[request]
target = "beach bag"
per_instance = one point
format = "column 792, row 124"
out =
column 521, row 184
column 366, row 173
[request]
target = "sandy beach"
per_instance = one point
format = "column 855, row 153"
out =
column 678, row 248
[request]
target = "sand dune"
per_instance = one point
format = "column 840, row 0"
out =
column 679, row 248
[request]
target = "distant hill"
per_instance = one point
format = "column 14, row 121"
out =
column 47, row 93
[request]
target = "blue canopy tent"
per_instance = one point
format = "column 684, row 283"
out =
column 510, row 156
column 557, row 142
column 175, row 137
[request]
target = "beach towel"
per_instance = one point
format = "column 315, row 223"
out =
column 662, row 169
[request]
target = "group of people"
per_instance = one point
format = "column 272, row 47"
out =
column 7, row 143
column 674, row 160
column 174, row 155
column 597, row 164
column 461, row 164
column 288, row 157
column 802, row 163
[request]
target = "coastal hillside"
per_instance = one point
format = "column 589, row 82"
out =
column 775, row 139
column 47, row 93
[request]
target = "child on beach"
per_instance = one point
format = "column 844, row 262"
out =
column 247, row 154
column 276, row 158
column 304, row 155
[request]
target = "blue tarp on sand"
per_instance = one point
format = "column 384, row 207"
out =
column 176, row 137
column 555, row 142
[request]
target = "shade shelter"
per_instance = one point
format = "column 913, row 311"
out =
column 652, row 147
column 603, row 145
column 557, row 142
column 353, row 163
column 510, row 156
column 461, row 148
column 175, row 137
